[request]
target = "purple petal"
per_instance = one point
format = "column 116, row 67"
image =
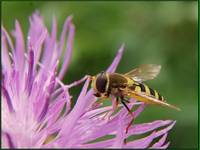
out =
column 34, row 92
column 6, row 63
column 146, row 127
column 63, row 34
column 160, row 142
column 96, row 127
column 38, row 45
column 48, row 92
column 19, row 48
column 52, row 83
column 74, row 115
column 68, row 100
column 144, row 142
column 37, row 34
column 95, row 112
column 102, row 144
column 54, row 111
column 9, row 140
column 44, row 109
column 7, row 98
column 108, row 127
column 38, row 104
column 18, row 83
column 36, row 28
column 63, row 93
column 89, row 99
column 116, row 61
column 139, row 110
column 51, row 47
column 68, row 50
column 30, row 72
column 120, row 134
column 164, row 146
column 141, row 143
column 10, row 44
column 165, row 130
column 48, row 53
column 57, row 92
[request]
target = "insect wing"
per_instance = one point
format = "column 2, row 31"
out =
column 149, row 100
column 144, row 72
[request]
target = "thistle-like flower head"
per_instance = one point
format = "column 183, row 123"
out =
column 36, row 105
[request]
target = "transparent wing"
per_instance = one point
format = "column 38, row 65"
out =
column 144, row 72
column 150, row 100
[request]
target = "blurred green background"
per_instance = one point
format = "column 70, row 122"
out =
column 154, row 32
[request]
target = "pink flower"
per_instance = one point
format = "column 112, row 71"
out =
column 36, row 105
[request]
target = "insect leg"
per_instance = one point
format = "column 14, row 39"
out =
column 129, row 124
column 117, row 102
column 123, row 102
column 126, row 100
column 131, row 113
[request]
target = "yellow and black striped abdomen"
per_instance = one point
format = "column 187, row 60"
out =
column 139, row 87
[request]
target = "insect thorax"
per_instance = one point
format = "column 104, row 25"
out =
column 117, row 81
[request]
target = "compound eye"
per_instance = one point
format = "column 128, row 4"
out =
column 101, row 83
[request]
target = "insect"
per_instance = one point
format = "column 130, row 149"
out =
column 130, row 85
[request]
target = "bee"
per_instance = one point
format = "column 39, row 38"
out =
column 130, row 85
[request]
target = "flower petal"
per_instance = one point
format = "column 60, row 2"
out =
column 38, row 45
column 74, row 115
column 7, row 137
column 51, row 54
column 55, row 110
column 141, row 143
column 100, row 127
column 6, row 63
column 164, row 146
column 29, row 80
column 116, row 61
column 63, row 34
column 5, row 33
column 68, row 50
column 146, row 127
column 118, row 143
column 19, row 48
column 160, row 142
column 36, row 28
column 165, row 130
column 102, row 144
column 144, row 142
column 7, row 98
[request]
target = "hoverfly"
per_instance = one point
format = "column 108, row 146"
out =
column 130, row 85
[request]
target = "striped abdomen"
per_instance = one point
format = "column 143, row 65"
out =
column 139, row 87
